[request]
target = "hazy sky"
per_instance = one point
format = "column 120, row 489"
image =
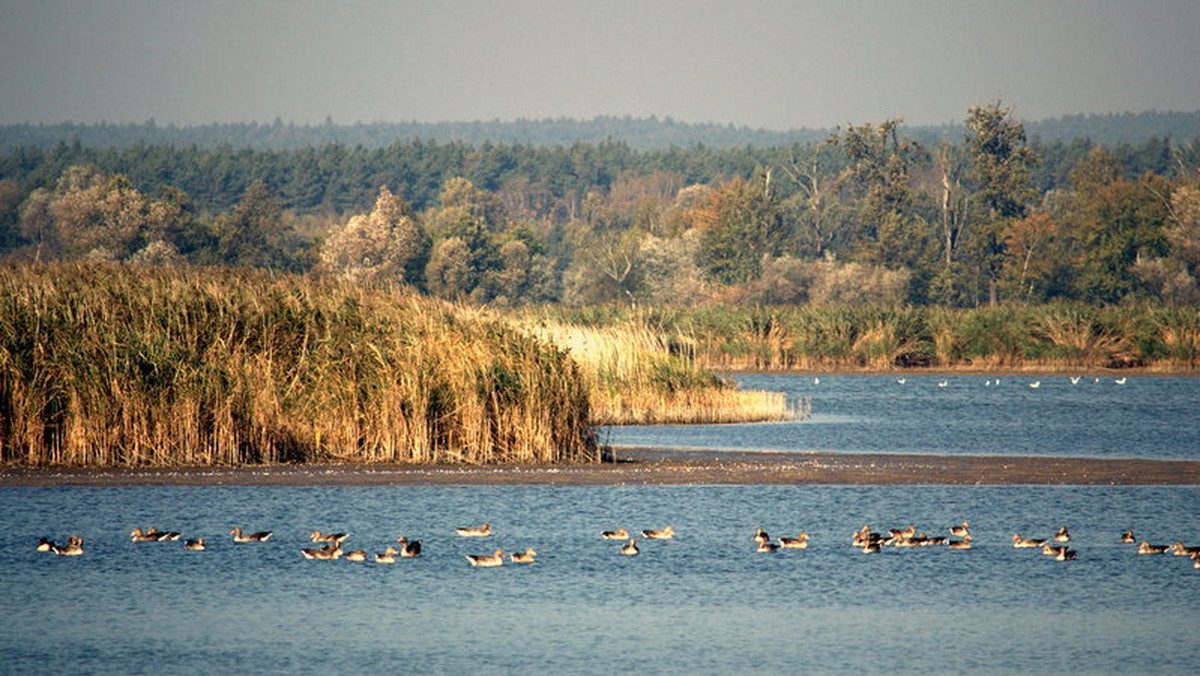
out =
column 772, row 64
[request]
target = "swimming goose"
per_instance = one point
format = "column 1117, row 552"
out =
column 526, row 556
column 630, row 548
column 357, row 555
column 798, row 542
column 871, row 547
column 318, row 536
column 1062, row 535
column 408, row 549
column 1021, row 542
column 326, row 553
column 1050, row 550
column 664, row 534
column 74, row 547
column 1075, row 379
column 196, row 545
column 45, row 545
column 481, row 532
column 1065, row 555
column 1127, row 537
column 1147, row 548
column 1178, row 549
column 168, row 536
column 615, row 534
column 961, row 531
column 766, row 546
column 139, row 535
column 260, row 536
column 760, row 536
column 959, row 544
column 1120, row 381
column 387, row 556
column 487, row 560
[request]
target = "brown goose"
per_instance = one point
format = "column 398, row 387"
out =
column 326, row 553
column 260, row 536
column 481, row 532
column 1147, row 548
column 664, row 534
column 798, row 542
column 630, row 548
column 526, row 556
column 196, row 545
column 139, row 535
column 74, row 547
column 615, row 534
column 318, row 536
column 493, row 560
column 1022, row 542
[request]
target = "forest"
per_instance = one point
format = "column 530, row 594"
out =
column 872, row 214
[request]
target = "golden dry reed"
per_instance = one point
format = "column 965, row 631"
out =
column 1057, row 336
column 635, row 377
column 108, row 365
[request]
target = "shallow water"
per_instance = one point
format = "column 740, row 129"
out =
column 705, row 602
column 1147, row 417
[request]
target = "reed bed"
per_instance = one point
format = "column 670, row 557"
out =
column 635, row 376
column 108, row 365
column 1058, row 336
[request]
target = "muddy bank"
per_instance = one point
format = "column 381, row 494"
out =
column 656, row 467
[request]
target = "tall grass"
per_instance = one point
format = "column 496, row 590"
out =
column 112, row 365
column 637, row 375
column 1060, row 336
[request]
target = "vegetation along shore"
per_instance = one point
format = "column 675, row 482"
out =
column 440, row 302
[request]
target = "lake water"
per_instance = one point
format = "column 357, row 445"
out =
column 1146, row 417
column 704, row 602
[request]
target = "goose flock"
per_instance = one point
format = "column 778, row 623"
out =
column 865, row 539
column 1033, row 384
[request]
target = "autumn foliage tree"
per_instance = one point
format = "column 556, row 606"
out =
column 385, row 245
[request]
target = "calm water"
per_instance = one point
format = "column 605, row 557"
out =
column 704, row 602
column 1144, row 418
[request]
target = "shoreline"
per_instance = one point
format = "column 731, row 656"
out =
column 655, row 467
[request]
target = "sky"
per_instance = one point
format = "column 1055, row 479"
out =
column 774, row 64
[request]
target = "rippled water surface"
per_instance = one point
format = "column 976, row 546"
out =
column 1146, row 417
column 705, row 602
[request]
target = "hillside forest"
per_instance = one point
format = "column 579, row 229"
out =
column 865, row 215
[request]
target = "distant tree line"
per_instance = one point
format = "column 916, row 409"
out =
column 650, row 133
column 864, row 214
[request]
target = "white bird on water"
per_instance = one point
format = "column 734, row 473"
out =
column 902, row 380
column 1035, row 384
column 816, row 381
column 1120, row 381
column 1075, row 379
column 943, row 383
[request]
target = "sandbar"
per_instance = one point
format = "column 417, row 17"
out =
column 650, row 467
